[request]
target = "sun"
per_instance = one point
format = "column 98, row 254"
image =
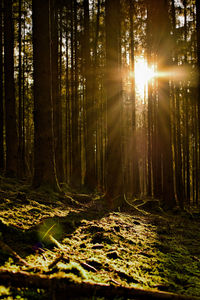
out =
column 143, row 73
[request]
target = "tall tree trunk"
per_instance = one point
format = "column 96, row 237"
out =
column 164, row 52
column 76, row 155
column 68, row 111
column 97, row 102
column 149, row 114
column 60, row 167
column 21, row 163
column 44, row 156
column 198, row 67
column 56, row 91
column 177, row 127
column 161, row 41
column 10, row 102
column 153, row 108
column 187, row 106
column 1, row 93
column 90, row 176
column 114, row 178
column 133, row 151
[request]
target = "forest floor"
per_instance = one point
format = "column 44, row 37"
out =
column 74, row 236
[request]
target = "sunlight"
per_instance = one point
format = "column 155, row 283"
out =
column 143, row 73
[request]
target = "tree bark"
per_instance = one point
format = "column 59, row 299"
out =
column 10, row 101
column 90, row 176
column 114, row 177
column 60, row 287
column 164, row 53
column 177, row 125
column 21, row 158
column 135, row 184
column 198, row 87
column 76, row 141
column 44, row 156
column 2, row 163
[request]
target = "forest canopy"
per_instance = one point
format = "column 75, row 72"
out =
column 102, row 95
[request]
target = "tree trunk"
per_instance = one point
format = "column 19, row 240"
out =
column 60, row 163
column 164, row 52
column 1, row 94
column 177, row 126
column 135, row 185
column 153, row 108
column 76, row 155
column 114, row 178
column 198, row 67
column 10, row 102
column 90, row 176
column 44, row 157
column 161, row 43
column 68, row 111
column 21, row 164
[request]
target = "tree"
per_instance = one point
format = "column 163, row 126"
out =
column 177, row 123
column 133, row 150
column 56, row 96
column 162, row 46
column 44, row 156
column 76, row 175
column 90, row 176
column 10, row 102
column 21, row 158
column 198, row 87
column 164, row 61
column 114, row 177
column 1, row 93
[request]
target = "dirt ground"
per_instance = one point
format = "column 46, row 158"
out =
column 74, row 235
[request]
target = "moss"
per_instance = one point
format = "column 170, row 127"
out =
column 72, row 268
column 147, row 251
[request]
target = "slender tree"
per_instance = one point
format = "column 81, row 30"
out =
column 56, row 91
column 21, row 162
column 76, row 142
column 164, row 61
column 44, row 157
column 133, row 151
column 10, row 102
column 1, row 93
column 90, row 176
column 177, row 123
column 114, row 177
column 198, row 87
column 154, row 147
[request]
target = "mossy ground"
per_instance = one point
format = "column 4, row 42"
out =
column 149, row 249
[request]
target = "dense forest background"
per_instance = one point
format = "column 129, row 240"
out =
column 78, row 108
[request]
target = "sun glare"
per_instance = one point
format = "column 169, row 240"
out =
column 143, row 73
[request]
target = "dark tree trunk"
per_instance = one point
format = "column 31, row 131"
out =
column 60, row 163
column 177, row 125
column 56, row 96
column 149, row 114
column 154, row 149
column 21, row 158
column 10, row 102
column 114, row 178
column 90, row 176
column 135, row 185
column 97, row 103
column 68, row 110
column 198, row 88
column 1, row 93
column 164, row 53
column 44, row 157
column 76, row 142
column 161, row 43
